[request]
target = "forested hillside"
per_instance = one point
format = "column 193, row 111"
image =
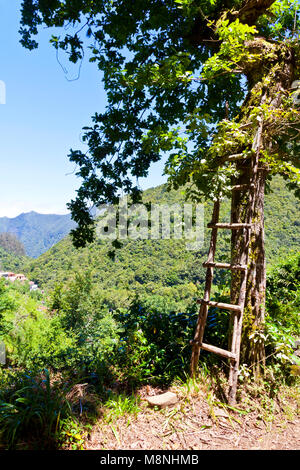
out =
column 177, row 270
column 10, row 243
column 11, row 261
column 37, row 232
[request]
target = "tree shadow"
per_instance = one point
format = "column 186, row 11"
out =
column 219, row 387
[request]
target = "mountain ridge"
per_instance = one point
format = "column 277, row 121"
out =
column 38, row 232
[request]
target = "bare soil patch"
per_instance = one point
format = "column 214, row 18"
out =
column 199, row 423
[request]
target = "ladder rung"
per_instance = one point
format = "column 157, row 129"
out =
column 238, row 267
column 214, row 349
column 229, row 226
column 211, row 303
column 241, row 187
column 221, row 352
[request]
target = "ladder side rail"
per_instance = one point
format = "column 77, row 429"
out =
column 203, row 312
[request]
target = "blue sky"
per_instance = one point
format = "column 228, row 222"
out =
column 41, row 120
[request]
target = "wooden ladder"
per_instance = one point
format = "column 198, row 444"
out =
column 197, row 343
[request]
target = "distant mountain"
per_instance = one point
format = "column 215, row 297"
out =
column 37, row 232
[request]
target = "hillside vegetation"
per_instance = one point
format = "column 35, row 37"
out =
column 73, row 365
column 164, row 267
column 10, row 243
column 11, row 261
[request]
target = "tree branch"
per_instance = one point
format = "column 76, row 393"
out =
column 249, row 13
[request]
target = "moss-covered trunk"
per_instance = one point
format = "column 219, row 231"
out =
column 271, row 83
column 252, row 350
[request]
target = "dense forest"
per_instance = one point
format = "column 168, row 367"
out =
column 10, row 261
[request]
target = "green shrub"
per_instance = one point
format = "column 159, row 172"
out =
column 121, row 405
column 40, row 341
column 79, row 334
column 73, row 434
column 7, row 305
column 283, row 310
column 90, row 326
column 283, row 294
column 155, row 343
column 32, row 410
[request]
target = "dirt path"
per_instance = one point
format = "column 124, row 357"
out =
column 193, row 424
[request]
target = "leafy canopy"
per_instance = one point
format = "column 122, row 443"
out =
column 175, row 73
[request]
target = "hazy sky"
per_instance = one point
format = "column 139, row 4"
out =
column 41, row 120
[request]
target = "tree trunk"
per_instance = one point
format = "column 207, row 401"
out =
column 252, row 350
column 270, row 77
column 268, row 89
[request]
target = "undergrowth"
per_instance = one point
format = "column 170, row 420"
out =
column 76, row 363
